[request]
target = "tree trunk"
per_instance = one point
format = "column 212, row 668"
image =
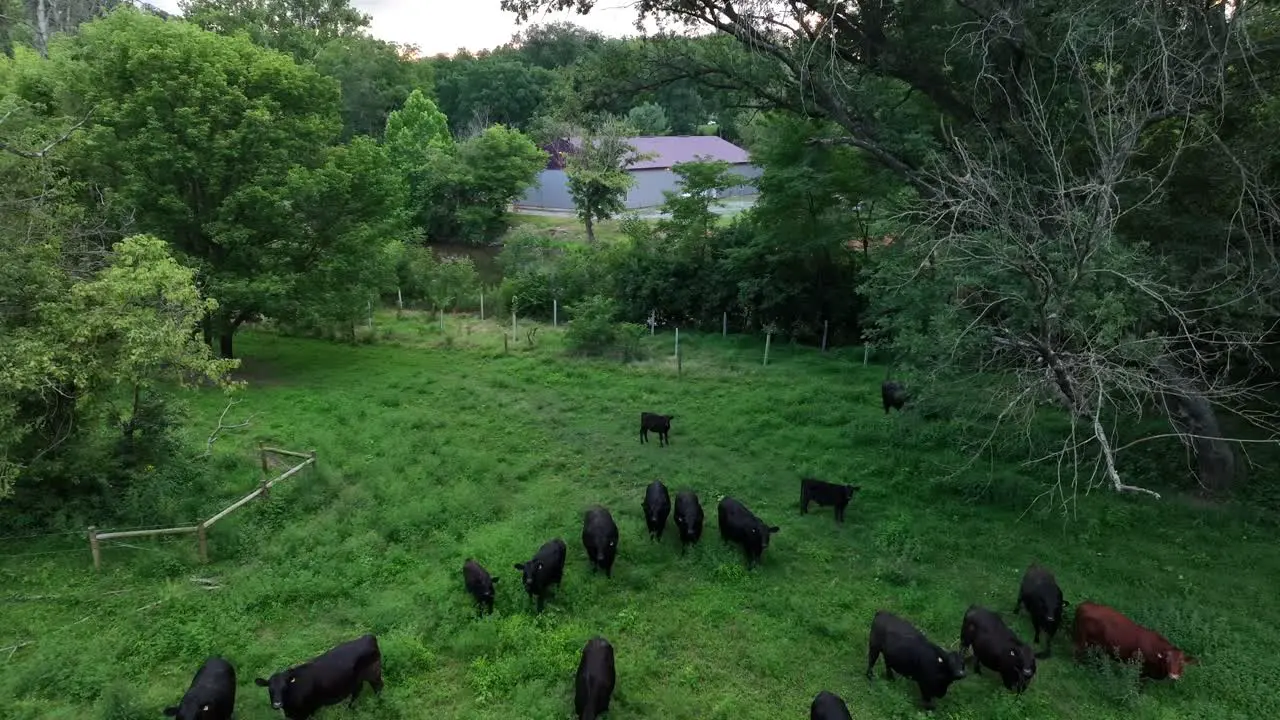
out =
column 225, row 343
column 40, row 12
column 591, row 231
column 1191, row 414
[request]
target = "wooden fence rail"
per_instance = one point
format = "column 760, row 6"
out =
column 201, row 529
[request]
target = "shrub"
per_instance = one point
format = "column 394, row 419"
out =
column 592, row 330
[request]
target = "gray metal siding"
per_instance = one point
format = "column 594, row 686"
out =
column 552, row 191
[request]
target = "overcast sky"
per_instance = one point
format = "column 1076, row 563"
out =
column 443, row 26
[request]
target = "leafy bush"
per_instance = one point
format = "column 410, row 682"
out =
column 592, row 330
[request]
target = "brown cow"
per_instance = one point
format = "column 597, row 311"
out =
column 1106, row 628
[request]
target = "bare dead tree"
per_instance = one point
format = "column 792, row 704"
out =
column 1051, row 292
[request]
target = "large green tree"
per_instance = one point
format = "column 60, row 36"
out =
column 193, row 130
column 497, row 89
column 1029, row 132
column 298, row 27
column 86, row 317
column 596, row 170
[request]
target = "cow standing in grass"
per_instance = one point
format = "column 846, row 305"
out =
column 997, row 647
column 326, row 679
column 688, row 518
column 593, row 687
column 907, row 651
column 660, row 424
column 739, row 525
column 893, row 395
column 828, row 706
column 211, row 695
column 1043, row 599
column 600, row 539
column 1107, row 629
column 827, row 494
column 656, row 506
column 545, row 569
column 479, row 583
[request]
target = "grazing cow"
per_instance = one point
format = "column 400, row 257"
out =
column 828, row 706
column 1106, row 628
column 657, row 505
column 211, row 695
column 739, row 525
column 995, row 646
column 600, row 538
column 1043, row 598
column 479, row 583
column 688, row 518
column 908, row 652
column 545, row 569
column 825, row 493
column 324, row 680
column 660, row 424
column 894, row 395
column 596, row 677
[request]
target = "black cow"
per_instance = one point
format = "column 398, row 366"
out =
column 657, row 506
column 545, row 569
column 739, row 525
column 908, row 652
column 893, row 394
column 596, row 678
column 825, row 493
column 828, row 706
column 600, row 538
column 1043, row 598
column 995, row 646
column 479, row 583
column 688, row 518
column 211, row 695
column 326, row 679
column 660, row 424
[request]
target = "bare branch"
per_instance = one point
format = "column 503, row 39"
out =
column 213, row 437
column 37, row 154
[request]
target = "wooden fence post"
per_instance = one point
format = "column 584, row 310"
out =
column 866, row 353
column 313, row 463
column 482, row 304
column 505, row 340
column 679, row 366
column 93, row 547
column 555, row 312
column 824, row 336
column 767, row 339
column 724, row 325
column 399, row 304
column 441, row 319
column 202, row 540
column 514, row 334
column 266, row 470
column 369, row 309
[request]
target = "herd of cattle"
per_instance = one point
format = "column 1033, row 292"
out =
column 341, row 672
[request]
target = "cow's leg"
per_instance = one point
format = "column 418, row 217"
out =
column 355, row 691
column 925, row 700
column 873, row 654
column 644, row 435
column 1017, row 607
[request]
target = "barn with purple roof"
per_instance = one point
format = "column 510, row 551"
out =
column 653, row 175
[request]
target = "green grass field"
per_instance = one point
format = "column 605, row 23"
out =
column 433, row 450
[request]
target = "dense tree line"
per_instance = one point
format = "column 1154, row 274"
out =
column 972, row 185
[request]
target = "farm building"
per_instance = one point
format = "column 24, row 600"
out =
column 653, row 175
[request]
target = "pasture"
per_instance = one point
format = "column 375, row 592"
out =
column 432, row 451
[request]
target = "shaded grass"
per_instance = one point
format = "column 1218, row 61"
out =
column 566, row 228
column 438, row 446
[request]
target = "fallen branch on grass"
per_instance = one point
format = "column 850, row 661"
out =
column 213, row 437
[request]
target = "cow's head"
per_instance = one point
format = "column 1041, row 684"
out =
column 608, row 549
column 950, row 664
column 1022, row 659
column 487, row 592
column 531, row 570
column 760, row 534
column 284, row 685
column 189, row 709
column 1174, row 662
